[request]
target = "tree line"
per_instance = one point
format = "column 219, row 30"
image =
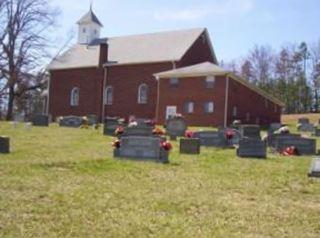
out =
column 292, row 74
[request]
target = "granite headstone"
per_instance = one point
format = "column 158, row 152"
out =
column 251, row 148
column 211, row 138
column 70, row 121
column 40, row 120
column 176, row 126
column 250, row 131
column 4, row 145
column 189, row 146
column 305, row 146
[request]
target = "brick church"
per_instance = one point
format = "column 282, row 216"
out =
column 152, row 76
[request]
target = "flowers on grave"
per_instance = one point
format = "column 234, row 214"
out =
column 229, row 134
column 283, row 130
column 132, row 124
column 85, row 123
column 119, row 131
column 116, row 144
column 166, row 145
column 151, row 122
column 158, row 131
column 189, row 134
column 290, row 151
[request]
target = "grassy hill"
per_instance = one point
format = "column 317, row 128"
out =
column 61, row 182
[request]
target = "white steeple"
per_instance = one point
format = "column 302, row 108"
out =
column 89, row 28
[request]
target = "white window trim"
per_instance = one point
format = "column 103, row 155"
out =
column 189, row 107
column 139, row 93
column 74, row 101
column 106, row 102
column 209, row 109
column 210, row 79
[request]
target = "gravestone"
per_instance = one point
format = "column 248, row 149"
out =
column 271, row 141
column 315, row 168
column 92, row 120
column 141, row 148
column 138, row 131
column 306, row 127
column 40, row 120
column 251, row 148
column 189, row 146
column 110, row 125
column 250, row 131
column 305, row 146
column 211, row 138
column 274, row 127
column 70, row 121
column 4, row 145
column 317, row 132
column 303, row 120
column 176, row 126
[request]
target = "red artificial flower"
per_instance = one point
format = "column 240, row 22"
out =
column 189, row 134
column 290, row 151
column 158, row 131
column 116, row 144
column 166, row 145
column 229, row 134
column 119, row 131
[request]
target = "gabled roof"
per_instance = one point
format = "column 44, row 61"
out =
column 208, row 69
column 89, row 18
column 198, row 70
column 146, row 48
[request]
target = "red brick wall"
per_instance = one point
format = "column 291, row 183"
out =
column 248, row 101
column 88, row 80
column 125, row 81
column 194, row 90
column 198, row 53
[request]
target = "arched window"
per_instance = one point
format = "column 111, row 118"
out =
column 74, row 97
column 143, row 94
column 108, row 100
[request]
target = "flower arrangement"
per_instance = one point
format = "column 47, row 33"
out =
column 189, row 134
column 166, row 145
column 116, row 144
column 85, row 123
column 158, row 131
column 290, row 151
column 151, row 122
column 229, row 134
column 119, row 131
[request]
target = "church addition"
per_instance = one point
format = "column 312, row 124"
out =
column 152, row 76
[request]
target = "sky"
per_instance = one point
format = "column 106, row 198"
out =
column 235, row 26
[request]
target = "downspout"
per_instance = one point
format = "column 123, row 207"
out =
column 103, row 94
column 48, row 96
column 226, row 102
column 158, row 99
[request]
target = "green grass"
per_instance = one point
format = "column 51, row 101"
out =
column 60, row 182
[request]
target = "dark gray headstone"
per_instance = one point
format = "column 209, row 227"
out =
column 252, row 148
column 274, row 127
column 176, row 127
column 189, row 146
column 92, row 120
column 303, row 120
column 306, row 127
column 141, row 147
column 40, row 120
column 305, row 146
column 250, row 131
column 4, row 145
column 317, row 132
column 110, row 126
column 70, row 121
column 271, row 141
column 315, row 168
column 211, row 138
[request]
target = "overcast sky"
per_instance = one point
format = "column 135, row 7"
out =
column 235, row 26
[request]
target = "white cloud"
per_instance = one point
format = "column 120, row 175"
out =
column 219, row 8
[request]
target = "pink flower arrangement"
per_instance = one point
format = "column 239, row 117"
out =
column 119, row 131
column 116, row 144
column 189, row 134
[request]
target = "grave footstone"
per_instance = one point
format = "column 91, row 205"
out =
column 176, row 126
column 4, row 145
column 305, row 146
column 142, row 148
column 211, row 138
column 315, row 168
column 189, row 146
column 251, row 148
column 70, row 121
column 250, row 131
column 40, row 120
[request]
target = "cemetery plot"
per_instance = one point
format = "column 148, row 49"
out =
column 315, row 168
column 176, row 126
column 189, row 146
column 251, row 148
column 250, row 131
column 4, row 145
column 40, row 120
column 305, row 146
column 211, row 138
column 141, row 147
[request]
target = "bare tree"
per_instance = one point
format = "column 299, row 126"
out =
column 23, row 43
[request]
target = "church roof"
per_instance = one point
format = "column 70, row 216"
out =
column 134, row 49
column 89, row 18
